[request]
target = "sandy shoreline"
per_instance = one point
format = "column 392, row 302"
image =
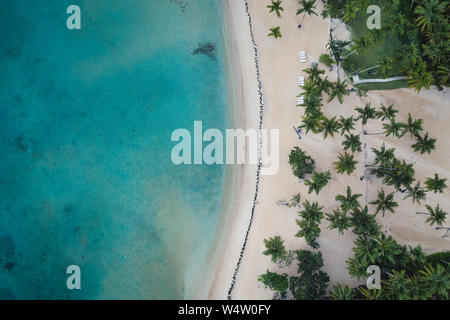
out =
column 240, row 181
column 279, row 66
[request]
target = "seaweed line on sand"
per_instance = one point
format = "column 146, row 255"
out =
column 258, row 172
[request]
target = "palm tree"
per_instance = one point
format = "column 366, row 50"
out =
column 417, row 289
column 308, row 7
column 345, row 163
column 310, row 230
column 377, row 35
column 414, row 126
column 364, row 223
column 311, row 122
column 367, row 113
column 385, row 202
column 428, row 13
column 349, row 201
column 372, row 294
column 437, row 280
column 311, row 211
column 275, row 32
column 349, row 11
column 417, row 255
column 396, row 285
column 357, row 268
column 400, row 174
column 318, row 182
column 339, row 90
column 383, row 156
column 326, row 85
column 340, row 292
column 433, row 50
column 362, row 44
column 388, row 249
column 436, row 185
column 418, row 77
column 312, row 104
column 346, row 124
column 387, row 113
column 417, row 193
column 365, row 250
column 314, row 74
column 352, row 142
column 439, row 33
column 310, row 89
column 274, row 248
column 424, row 144
column 329, row 127
column 436, row 215
column 309, row 225
column 386, row 67
column 339, row 220
column 276, row 6
column 409, row 58
column 443, row 74
column 397, row 129
column 336, row 48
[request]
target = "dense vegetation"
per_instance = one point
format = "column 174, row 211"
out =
column 310, row 283
column 413, row 40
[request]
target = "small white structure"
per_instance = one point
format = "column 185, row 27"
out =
column 300, row 100
column 301, row 81
column 303, row 56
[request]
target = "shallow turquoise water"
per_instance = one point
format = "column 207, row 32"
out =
column 85, row 170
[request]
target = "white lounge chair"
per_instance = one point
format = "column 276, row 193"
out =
column 301, row 81
column 303, row 56
column 300, row 100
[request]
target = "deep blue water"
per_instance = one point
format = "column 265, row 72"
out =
column 85, row 123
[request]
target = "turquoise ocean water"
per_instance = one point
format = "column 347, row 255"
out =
column 85, row 123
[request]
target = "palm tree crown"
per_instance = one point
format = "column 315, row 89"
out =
column 314, row 74
column 387, row 113
column 349, row 201
column 275, row 32
column 339, row 220
column 414, row 126
column 401, row 174
column 339, row 292
column 308, row 7
column 424, row 144
column 339, row 90
column 385, row 202
column 345, row 163
column 346, row 124
column 329, row 127
column 428, row 13
column 437, row 280
column 436, row 215
column 364, row 223
column 435, row 184
column 367, row 113
column 383, row 156
column 417, row 193
column 318, row 182
column 352, row 142
column 397, row 129
column 276, row 6
column 274, row 248
column 311, row 211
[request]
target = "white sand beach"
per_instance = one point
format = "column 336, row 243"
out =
column 279, row 69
